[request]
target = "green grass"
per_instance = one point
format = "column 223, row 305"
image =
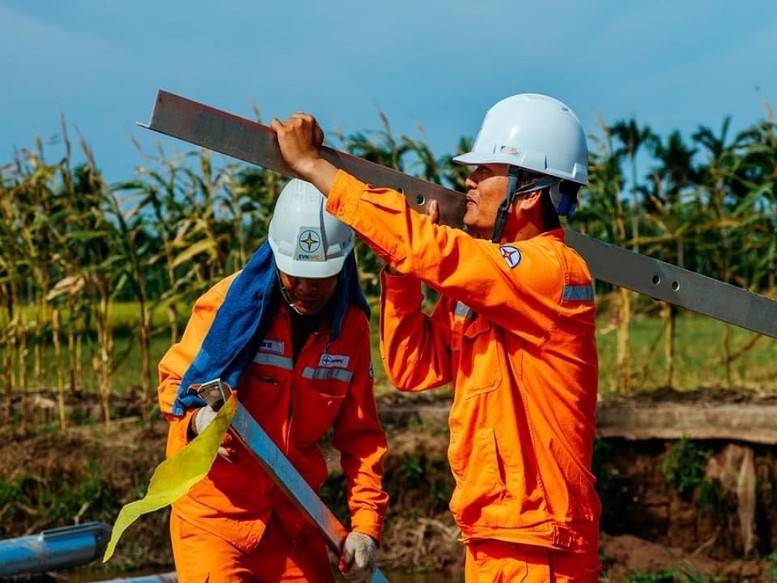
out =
column 698, row 360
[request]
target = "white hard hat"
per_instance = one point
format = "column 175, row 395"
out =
column 535, row 132
column 305, row 239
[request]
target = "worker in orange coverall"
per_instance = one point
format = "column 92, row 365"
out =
column 513, row 331
column 307, row 368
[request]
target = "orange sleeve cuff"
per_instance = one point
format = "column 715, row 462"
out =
column 368, row 523
column 345, row 196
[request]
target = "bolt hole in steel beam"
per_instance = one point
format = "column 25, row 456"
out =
column 675, row 285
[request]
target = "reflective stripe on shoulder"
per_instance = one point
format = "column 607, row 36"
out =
column 578, row 293
column 275, row 360
column 320, row 373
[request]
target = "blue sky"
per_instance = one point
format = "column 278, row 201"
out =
column 673, row 64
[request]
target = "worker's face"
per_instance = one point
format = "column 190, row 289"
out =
column 308, row 295
column 487, row 189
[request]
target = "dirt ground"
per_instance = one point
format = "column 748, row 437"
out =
column 50, row 478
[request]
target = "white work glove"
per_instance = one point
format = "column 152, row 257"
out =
column 358, row 559
column 204, row 417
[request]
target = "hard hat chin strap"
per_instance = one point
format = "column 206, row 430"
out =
column 285, row 295
column 513, row 177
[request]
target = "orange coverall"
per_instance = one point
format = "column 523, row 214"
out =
column 330, row 384
column 514, row 332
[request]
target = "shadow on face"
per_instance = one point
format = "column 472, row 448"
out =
column 308, row 295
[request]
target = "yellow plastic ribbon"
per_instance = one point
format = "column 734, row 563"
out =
column 174, row 476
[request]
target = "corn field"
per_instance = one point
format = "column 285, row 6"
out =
column 73, row 246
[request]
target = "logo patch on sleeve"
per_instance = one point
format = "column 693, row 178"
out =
column 511, row 255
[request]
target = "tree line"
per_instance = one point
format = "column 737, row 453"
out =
column 73, row 244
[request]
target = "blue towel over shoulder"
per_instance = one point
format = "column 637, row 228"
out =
column 243, row 319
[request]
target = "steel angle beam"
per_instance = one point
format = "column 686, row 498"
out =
column 282, row 472
column 256, row 143
column 675, row 285
column 253, row 142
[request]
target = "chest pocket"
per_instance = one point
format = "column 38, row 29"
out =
column 317, row 401
column 265, row 379
column 477, row 357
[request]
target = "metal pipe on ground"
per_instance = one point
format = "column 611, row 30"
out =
column 54, row 549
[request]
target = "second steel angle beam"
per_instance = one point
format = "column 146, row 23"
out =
column 282, row 472
column 255, row 143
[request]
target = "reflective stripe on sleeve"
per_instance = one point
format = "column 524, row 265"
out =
column 578, row 293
